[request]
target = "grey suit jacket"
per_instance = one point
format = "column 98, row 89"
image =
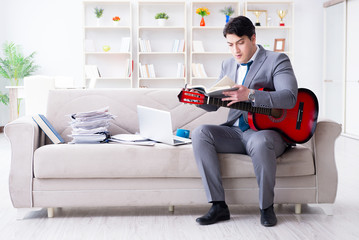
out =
column 270, row 70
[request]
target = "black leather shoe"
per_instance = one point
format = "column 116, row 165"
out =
column 215, row 214
column 268, row 218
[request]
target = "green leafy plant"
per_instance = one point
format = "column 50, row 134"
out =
column 228, row 11
column 98, row 12
column 4, row 98
column 161, row 16
column 15, row 65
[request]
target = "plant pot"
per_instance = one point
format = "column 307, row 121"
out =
column 202, row 23
column 227, row 18
column 116, row 23
column 161, row 22
column 98, row 22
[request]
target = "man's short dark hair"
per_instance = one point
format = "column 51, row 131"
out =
column 239, row 26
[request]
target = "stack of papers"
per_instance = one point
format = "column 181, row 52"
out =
column 91, row 127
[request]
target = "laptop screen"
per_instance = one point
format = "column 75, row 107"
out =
column 155, row 124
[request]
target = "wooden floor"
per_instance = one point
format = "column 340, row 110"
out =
column 157, row 223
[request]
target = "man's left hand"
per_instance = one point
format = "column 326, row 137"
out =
column 236, row 96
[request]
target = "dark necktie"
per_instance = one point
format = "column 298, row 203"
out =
column 248, row 64
column 241, row 123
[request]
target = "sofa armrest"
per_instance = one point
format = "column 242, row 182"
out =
column 326, row 171
column 25, row 137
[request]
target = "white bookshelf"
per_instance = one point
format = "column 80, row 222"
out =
column 270, row 28
column 161, row 40
column 113, row 64
column 212, row 39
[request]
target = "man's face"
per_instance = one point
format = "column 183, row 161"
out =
column 242, row 48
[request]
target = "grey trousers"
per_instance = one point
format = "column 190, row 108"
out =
column 262, row 146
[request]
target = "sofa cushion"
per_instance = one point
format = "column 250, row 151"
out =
column 131, row 161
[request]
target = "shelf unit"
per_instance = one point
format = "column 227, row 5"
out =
column 211, row 37
column 270, row 28
column 161, row 40
column 112, row 65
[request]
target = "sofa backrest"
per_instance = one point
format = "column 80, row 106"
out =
column 123, row 104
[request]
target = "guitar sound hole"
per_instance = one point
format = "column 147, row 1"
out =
column 276, row 113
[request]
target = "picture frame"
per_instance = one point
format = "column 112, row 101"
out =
column 279, row 44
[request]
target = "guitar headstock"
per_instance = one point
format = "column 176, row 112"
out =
column 191, row 96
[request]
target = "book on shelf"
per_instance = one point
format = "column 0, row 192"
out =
column 152, row 71
column 180, row 70
column 147, row 70
column 92, row 72
column 140, row 69
column 129, row 68
column 142, row 46
column 181, row 47
column 178, row 45
column 198, row 46
column 225, row 84
column 47, row 128
column 198, row 70
column 145, row 45
column 148, row 46
column 125, row 44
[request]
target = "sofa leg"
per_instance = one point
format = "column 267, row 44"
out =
column 171, row 208
column 50, row 212
column 298, row 208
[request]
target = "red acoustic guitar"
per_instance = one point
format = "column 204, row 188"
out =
column 296, row 125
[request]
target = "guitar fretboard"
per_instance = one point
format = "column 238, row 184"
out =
column 245, row 106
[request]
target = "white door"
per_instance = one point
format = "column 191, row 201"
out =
column 334, row 61
column 352, row 79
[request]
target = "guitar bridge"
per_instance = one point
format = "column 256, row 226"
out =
column 299, row 116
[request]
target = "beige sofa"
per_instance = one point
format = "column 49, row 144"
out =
column 100, row 175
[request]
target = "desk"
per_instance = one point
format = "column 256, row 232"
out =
column 15, row 94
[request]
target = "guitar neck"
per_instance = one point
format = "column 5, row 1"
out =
column 245, row 106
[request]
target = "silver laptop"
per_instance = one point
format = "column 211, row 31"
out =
column 157, row 125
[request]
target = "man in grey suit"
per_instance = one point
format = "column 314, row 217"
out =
column 252, row 67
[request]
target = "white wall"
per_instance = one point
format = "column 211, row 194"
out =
column 308, row 44
column 53, row 28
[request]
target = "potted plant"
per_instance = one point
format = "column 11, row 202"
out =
column 161, row 18
column 228, row 11
column 116, row 20
column 202, row 12
column 15, row 66
column 98, row 13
